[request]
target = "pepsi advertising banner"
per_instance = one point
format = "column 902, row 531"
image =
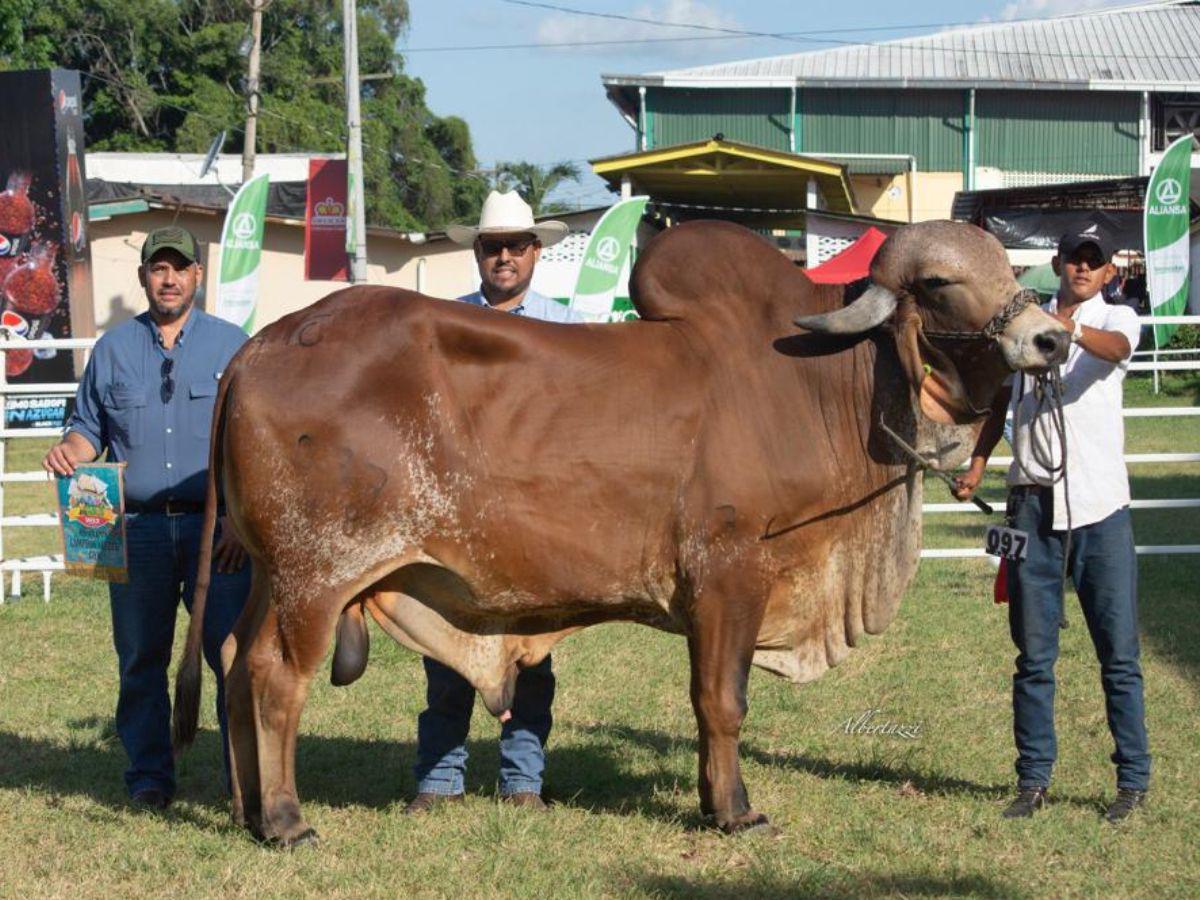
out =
column 45, row 261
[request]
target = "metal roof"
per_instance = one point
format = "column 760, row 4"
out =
column 1143, row 47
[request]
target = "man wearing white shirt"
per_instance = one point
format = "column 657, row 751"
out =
column 1087, row 501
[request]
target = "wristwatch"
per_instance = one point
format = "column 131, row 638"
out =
column 1077, row 334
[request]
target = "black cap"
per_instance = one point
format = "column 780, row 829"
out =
column 1093, row 234
column 171, row 238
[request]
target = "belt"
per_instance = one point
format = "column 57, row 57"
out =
column 1028, row 489
column 168, row 507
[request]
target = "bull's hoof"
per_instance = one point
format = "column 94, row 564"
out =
column 307, row 838
column 252, row 824
column 751, row 823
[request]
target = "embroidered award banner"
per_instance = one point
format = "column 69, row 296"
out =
column 91, row 513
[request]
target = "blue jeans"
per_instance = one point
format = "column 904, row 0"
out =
column 1103, row 566
column 163, row 555
column 442, row 731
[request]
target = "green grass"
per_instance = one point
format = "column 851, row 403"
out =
column 859, row 815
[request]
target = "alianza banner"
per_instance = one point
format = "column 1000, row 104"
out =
column 1168, row 206
column 605, row 258
column 241, row 253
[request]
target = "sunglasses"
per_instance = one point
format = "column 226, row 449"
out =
column 514, row 246
column 167, row 391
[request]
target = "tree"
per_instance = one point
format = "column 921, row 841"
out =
column 534, row 183
column 169, row 74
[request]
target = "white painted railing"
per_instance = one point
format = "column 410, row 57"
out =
column 44, row 564
column 1003, row 462
column 47, row 564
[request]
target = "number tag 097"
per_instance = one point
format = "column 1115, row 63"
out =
column 1008, row 543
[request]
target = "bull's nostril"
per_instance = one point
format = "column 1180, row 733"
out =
column 1052, row 344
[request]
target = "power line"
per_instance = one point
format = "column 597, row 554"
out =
column 902, row 45
column 736, row 32
column 555, row 44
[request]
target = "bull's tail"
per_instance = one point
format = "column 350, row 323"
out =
column 186, row 713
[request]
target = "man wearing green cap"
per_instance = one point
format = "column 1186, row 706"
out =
column 147, row 397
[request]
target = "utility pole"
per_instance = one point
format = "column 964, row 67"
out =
column 356, row 220
column 252, row 65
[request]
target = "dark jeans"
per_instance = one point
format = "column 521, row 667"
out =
column 442, row 731
column 163, row 557
column 1103, row 567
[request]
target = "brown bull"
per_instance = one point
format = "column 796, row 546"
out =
column 482, row 485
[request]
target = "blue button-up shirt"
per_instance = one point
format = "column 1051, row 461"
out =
column 534, row 305
column 120, row 405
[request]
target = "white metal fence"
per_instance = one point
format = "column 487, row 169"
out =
column 14, row 568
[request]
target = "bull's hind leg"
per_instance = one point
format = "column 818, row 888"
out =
column 721, row 646
column 243, row 741
column 282, row 661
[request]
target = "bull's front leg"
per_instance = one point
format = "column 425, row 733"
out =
column 724, row 629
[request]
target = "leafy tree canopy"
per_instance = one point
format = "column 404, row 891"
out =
column 170, row 74
column 534, row 183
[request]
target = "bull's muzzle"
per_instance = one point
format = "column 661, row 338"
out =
column 1034, row 341
column 1053, row 345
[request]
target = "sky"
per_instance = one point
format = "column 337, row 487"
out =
column 546, row 104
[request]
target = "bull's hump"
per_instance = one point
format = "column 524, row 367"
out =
column 713, row 270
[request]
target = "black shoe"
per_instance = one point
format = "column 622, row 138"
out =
column 426, row 801
column 150, row 798
column 1122, row 808
column 1028, row 801
column 526, row 799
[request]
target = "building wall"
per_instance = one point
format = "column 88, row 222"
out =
column 116, row 244
column 439, row 268
column 1020, row 136
column 1085, row 132
column 927, row 124
column 685, row 115
column 886, row 196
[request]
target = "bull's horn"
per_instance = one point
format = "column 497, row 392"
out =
column 871, row 309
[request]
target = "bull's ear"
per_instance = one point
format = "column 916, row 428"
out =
column 871, row 309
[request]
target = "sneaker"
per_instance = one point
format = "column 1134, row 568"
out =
column 527, row 799
column 1028, row 801
column 150, row 798
column 426, row 801
column 1128, row 799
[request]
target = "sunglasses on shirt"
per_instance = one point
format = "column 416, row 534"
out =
column 167, row 391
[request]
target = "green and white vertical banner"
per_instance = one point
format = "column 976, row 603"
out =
column 241, row 253
column 604, row 259
column 1167, row 252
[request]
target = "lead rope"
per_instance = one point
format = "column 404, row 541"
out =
column 1049, row 391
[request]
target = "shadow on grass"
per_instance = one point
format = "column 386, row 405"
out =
column 870, row 771
column 377, row 773
column 820, row 885
column 873, row 771
column 333, row 771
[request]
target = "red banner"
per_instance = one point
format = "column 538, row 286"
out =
column 325, row 222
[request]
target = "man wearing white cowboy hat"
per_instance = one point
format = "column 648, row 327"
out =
column 507, row 245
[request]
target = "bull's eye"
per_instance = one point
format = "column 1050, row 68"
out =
column 933, row 283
